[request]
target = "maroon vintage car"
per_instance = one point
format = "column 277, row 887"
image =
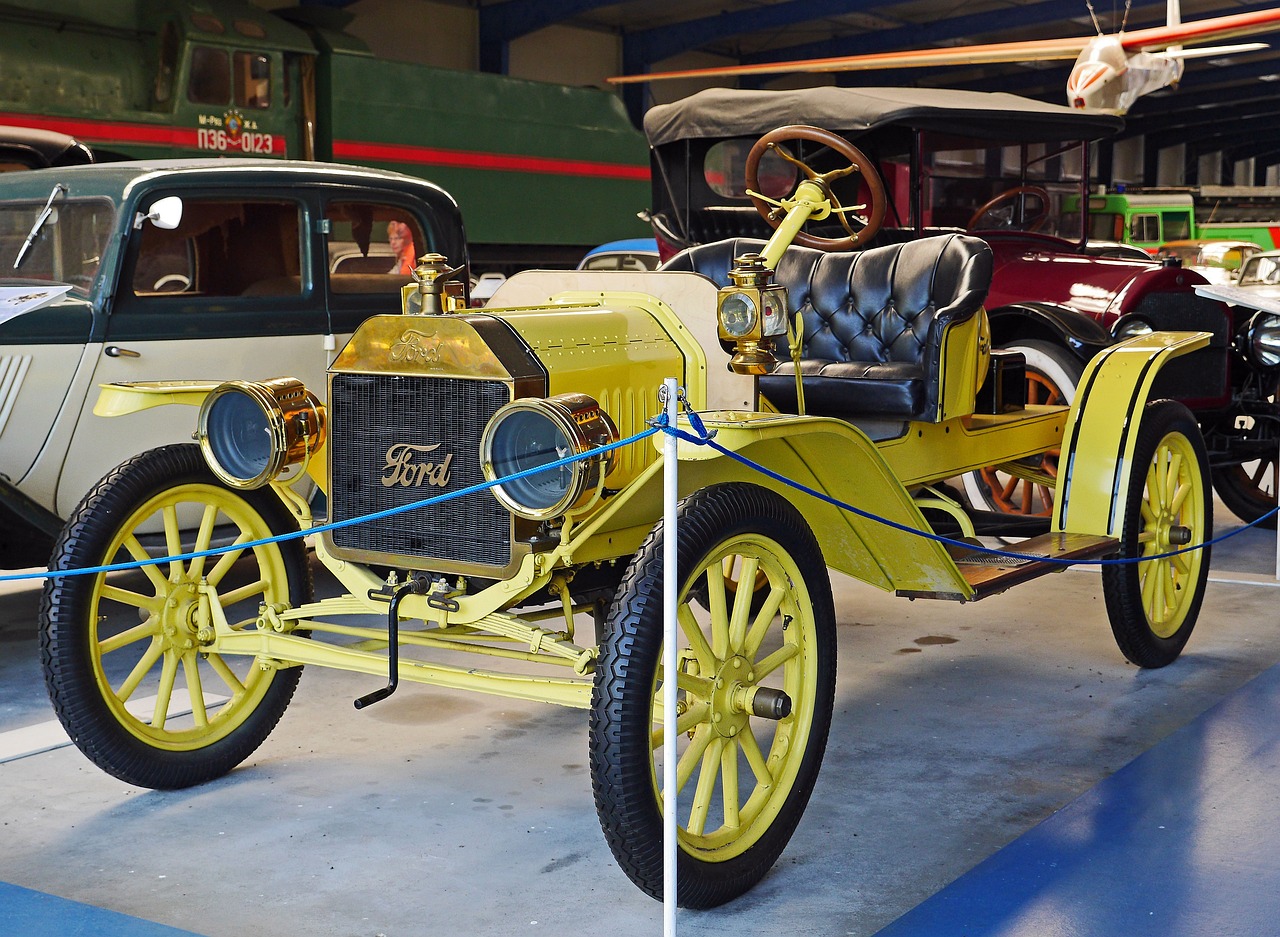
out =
column 1009, row 169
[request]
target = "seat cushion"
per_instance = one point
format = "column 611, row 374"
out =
column 849, row 388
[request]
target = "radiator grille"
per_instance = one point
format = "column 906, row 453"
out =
column 369, row 414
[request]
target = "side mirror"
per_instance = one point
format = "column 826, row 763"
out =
column 165, row 213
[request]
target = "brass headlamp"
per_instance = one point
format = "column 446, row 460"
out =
column 251, row 431
column 752, row 310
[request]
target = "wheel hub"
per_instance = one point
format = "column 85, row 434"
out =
column 179, row 615
column 733, row 683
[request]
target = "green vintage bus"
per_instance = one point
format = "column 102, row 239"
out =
column 149, row 78
column 1150, row 219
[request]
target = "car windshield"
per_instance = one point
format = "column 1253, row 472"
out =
column 1265, row 269
column 67, row 247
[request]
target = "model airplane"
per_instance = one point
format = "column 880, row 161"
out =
column 1110, row 71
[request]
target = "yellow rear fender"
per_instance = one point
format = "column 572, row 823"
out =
column 828, row 456
column 1102, row 430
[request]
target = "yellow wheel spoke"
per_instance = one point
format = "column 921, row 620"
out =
column 764, row 619
column 742, row 603
column 769, row 664
column 226, row 674
column 144, row 664
column 718, row 607
column 203, row 538
column 692, row 755
column 697, row 640
column 1180, row 497
column 706, row 789
column 755, row 757
column 226, row 561
column 164, row 694
column 139, row 552
column 1171, row 477
column 729, row 783
column 172, row 540
column 195, row 688
column 1149, row 587
column 127, row 597
column 695, row 715
column 137, row 633
column 228, row 599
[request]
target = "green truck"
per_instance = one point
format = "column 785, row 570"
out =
column 166, row 78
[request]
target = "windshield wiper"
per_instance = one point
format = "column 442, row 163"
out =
column 58, row 189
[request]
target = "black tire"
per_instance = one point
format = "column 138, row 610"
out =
column 90, row 658
column 1053, row 373
column 1243, row 489
column 1153, row 605
column 715, row 864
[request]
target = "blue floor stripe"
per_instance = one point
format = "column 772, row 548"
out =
column 1180, row 842
column 27, row 913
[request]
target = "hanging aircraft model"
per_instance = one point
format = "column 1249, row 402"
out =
column 1111, row 71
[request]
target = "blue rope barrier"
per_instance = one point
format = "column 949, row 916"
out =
column 334, row 525
column 700, row 437
column 705, row 439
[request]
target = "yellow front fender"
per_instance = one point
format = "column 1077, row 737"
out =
column 121, row 398
column 1102, row 430
column 833, row 458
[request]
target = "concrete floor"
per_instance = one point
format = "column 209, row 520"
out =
column 957, row 728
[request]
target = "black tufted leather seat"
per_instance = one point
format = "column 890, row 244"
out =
column 873, row 320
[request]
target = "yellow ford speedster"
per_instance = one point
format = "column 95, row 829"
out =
column 863, row 377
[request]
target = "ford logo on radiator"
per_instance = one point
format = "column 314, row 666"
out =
column 407, row 466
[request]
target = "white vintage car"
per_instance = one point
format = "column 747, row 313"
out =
column 174, row 270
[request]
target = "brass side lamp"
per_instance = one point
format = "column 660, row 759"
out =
column 751, row 311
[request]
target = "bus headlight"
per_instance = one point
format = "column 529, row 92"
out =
column 532, row 432
column 251, row 431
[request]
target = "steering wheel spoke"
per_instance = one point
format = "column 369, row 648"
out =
column 773, row 210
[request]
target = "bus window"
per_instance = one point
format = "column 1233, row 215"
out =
column 1144, row 228
column 1177, row 226
column 253, row 80
column 210, row 81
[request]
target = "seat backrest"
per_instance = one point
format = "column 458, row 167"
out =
column 882, row 304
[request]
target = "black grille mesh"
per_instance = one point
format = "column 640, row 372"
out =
column 370, row 413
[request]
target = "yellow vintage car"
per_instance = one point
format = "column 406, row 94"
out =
column 863, row 377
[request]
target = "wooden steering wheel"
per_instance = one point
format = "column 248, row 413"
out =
column 773, row 212
column 1037, row 221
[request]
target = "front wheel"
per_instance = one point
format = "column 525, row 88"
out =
column 1249, row 490
column 756, row 684
column 125, row 654
column 1153, row 604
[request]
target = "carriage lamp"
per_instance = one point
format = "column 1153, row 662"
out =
column 251, row 431
column 1262, row 340
column 435, row 290
column 532, row 432
column 751, row 311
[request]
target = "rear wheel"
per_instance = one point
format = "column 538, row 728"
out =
column 1249, row 490
column 756, row 689
column 1052, row 376
column 1153, row 604
column 125, row 654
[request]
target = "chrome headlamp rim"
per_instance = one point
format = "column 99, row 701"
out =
column 1130, row 326
column 583, row 426
column 751, row 318
column 1262, row 339
column 293, row 423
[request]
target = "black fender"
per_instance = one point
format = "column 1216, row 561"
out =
column 27, row 529
column 1081, row 334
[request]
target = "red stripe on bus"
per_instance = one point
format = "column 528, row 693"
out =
column 102, row 131
column 467, row 159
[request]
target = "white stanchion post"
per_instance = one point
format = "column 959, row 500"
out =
column 670, row 587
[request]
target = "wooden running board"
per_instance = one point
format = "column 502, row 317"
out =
column 990, row 574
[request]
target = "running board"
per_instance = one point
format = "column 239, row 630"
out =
column 989, row 573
